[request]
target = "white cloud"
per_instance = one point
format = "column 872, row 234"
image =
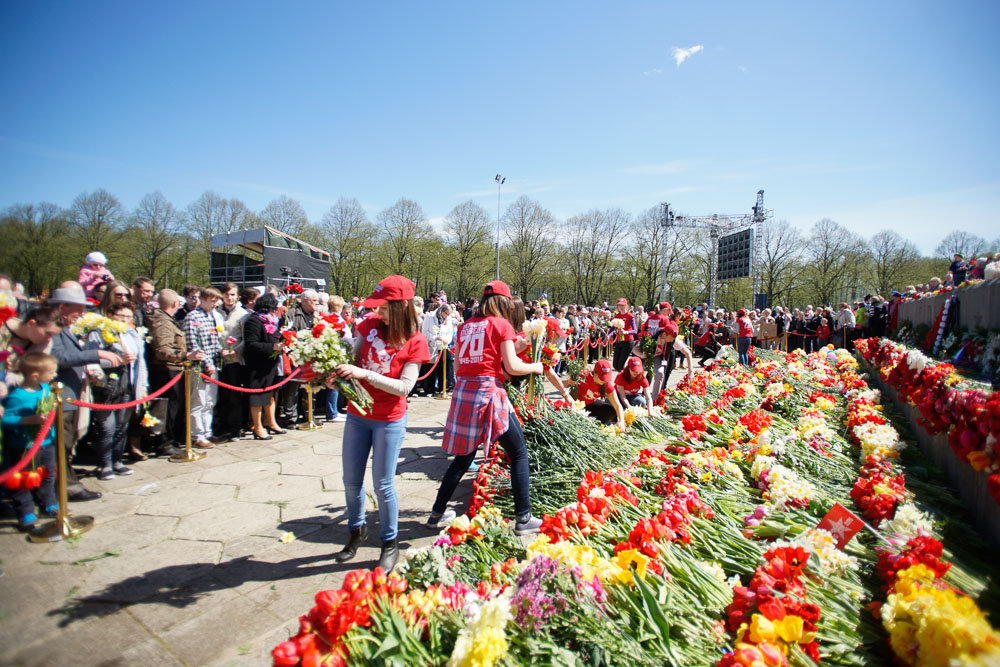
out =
column 655, row 70
column 680, row 55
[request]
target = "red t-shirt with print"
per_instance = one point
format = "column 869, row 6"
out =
column 634, row 385
column 477, row 347
column 745, row 327
column 378, row 356
column 587, row 389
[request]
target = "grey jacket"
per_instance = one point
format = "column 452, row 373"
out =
column 73, row 359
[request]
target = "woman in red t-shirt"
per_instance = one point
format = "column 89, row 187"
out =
column 597, row 391
column 480, row 412
column 744, row 336
column 632, row 386
column 389, row 349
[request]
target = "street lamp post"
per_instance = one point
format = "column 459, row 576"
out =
column 500, row 181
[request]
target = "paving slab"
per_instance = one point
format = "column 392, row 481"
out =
column 229, row 520
column 185, row 498
column 279, row 489
column 240, row 472
column 208, row 638
column 311, row 465
column 117, row 536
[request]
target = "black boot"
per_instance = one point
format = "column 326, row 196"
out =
column 358, row 537
column 390, row 554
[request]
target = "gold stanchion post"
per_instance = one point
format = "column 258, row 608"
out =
column 187, row 456
column 63, row 525
column 586, row 349
column 443, row 394
column 310, row 424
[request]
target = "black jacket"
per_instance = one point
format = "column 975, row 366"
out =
column 72, row 359
column 259, row 359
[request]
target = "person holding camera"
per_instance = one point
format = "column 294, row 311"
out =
column 94, row 272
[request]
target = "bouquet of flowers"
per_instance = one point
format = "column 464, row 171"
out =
column 550, row 355
column 8, row 306
column 322, row 349
column 111, row 330
column 537, row 331
column 618, row 325
column 574, row 366
column 294, row 288
column 647, row 346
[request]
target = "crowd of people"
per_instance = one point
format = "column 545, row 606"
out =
column 111, row 343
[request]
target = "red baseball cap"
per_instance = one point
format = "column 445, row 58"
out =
column 668, row 326
column 634, row 364
column 623, row 301
column 666, row 305
column 603, row 370
column 393, row 288
column 497, row 287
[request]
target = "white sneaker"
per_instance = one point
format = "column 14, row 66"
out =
column 339, row 418
column 442, row 521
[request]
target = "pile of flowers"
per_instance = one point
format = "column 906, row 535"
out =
column 693, row 539
column 969, row 414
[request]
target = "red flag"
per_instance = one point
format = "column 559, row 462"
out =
column 842, row 524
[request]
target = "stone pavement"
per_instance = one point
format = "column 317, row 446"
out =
column 185, row 565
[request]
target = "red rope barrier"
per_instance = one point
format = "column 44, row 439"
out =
column 246, row 390
column 432, row 367
column 131, row 404
column 44, row 431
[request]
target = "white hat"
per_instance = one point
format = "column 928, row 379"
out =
column 96, row 257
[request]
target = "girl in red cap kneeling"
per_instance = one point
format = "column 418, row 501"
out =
column 632, row 386
column 597, row 390
column 389, row 349
column 480, row 412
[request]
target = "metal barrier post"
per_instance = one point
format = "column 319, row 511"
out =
column 187, row 456
column 63, row 525
column 310, row 424
column 443, row 395
column 586, row 349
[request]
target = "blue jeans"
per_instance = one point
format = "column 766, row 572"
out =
column 381, row 440
column 332, row 396
column 743, row 350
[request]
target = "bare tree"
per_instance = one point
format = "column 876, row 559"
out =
column 780, row 260
column 98, row 221
column 286, row 215
column 834, row 254
column 37, row 248
column 892, row 256
column 347, row 234
column 963, row 243
column 530, row 233
column 640, row 274
column 469, row 232
column 156, row 224
column 593, row 240
column 213, row 214
column 404, row 226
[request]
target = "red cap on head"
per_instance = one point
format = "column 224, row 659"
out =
column 393, row 288
column 741, row 312
column 497, row 287
column 623, row 301
column 634, row 364
column 668, row 326
column 603, row 370
column 665, row 305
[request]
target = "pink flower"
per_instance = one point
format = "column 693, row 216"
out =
column 230, row 341
column 270, row 328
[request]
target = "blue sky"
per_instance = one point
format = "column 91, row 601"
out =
column 878, row 115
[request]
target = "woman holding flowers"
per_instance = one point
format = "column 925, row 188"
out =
column 261, row 349
column 389, row 349
column 117, row 384
column 480, row 411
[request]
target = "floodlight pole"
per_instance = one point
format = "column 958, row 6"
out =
column 500, row 181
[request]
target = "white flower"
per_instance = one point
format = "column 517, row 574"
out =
column 916, row 360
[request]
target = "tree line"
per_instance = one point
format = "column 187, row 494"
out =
column 588, row 258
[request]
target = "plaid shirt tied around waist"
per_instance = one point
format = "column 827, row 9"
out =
column 479, row 414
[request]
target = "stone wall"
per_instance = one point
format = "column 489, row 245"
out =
column 979, row 306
